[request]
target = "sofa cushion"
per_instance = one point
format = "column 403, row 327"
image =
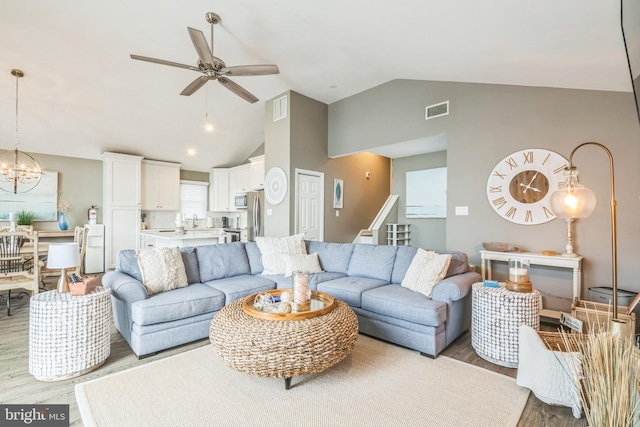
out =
column 372, row 261
column 427, row 268
column 350, row 289
column 127, row 263
column 237, row 287
column 190, row 260
column 459, row 263
column 222, row 260
column 399, row 302
column 301, row 262
column 333, row 256
column 162, row 269
column 272, row 249
column 177, row 304
column 404, row 256
column 254, row 255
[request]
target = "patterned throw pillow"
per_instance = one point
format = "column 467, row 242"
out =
column 272, row 249
column 162, row 269
column 426, row 270
column 300, row 262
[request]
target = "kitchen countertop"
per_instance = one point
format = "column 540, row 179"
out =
column 198, row 233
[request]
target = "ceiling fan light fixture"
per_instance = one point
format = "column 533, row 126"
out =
column 19, row 171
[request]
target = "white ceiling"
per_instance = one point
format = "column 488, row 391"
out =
column 82, row 94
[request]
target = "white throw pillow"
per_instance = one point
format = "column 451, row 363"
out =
column 272, row 249
column 426, row 270
column 162, row 269
column 300, row 262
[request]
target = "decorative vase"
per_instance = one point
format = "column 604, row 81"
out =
column 62, row 222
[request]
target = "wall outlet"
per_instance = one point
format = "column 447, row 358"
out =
column 337, row 213
column 462, row 210
column 269, row 212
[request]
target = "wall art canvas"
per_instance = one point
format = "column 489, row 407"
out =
column 42, row 200
column 427, row 193
column 338, row 193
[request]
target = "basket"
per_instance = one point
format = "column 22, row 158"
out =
column 596, row 316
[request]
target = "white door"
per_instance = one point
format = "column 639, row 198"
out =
column 309, row 205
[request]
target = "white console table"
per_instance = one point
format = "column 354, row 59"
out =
column 572, row 263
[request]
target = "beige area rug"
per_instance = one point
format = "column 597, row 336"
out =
column 379, row 384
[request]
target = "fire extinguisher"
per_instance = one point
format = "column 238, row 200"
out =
column 93, row 214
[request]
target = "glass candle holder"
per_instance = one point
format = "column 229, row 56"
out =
column 301, row 291
column 519, row 270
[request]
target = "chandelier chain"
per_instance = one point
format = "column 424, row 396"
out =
column 17, row 79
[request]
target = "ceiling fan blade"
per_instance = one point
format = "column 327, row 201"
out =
column 238, row 90
column 163, row 62
column 250, row 70
column 195, row 85
column 202, row 48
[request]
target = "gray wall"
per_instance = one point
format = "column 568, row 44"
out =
column 300, row 141
column 488, row 122
column 79, row 183
column 430, row 233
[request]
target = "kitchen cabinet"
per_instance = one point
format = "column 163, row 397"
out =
column 233, row 174
column 121, row 183
column 243, row 178
column 257, row 172
column 219, row 198
column 160, row 186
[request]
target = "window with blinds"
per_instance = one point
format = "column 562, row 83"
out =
column 193, row 199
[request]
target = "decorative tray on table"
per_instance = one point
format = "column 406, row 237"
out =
column 265, row 305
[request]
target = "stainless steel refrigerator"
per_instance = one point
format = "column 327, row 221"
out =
column 255, row 214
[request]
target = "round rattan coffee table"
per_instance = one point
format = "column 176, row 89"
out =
column 283, row 348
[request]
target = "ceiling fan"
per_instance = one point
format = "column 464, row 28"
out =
column 214, row 68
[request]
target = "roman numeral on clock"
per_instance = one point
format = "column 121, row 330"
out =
column 512, row 163
column 547, row 212
column 528, row 156
column 497, row 189
column 511, row 213
column 528, row 217
column 499, row 202
column 499, row 175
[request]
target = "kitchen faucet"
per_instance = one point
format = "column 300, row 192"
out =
column 195, row 220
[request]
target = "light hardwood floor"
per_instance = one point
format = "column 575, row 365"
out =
column 18, row 386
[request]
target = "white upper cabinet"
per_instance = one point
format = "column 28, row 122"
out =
column 160, row 186
column 121, row 180
column 219, row 190
column 243, row 178
column 257, row 172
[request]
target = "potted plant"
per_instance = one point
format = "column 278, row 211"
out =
column 25, row 218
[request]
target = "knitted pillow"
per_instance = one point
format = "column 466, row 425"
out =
column 162, row 269
column 426, row 270
column 272, row 249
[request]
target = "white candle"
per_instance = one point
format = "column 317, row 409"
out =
column 13, row 216
column 300, row 289
column 518, row 275
column 179, row 220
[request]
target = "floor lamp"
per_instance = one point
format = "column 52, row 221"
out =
column 577, row 201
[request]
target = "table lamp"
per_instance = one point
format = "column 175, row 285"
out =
column 577, row 201
column 63, row 256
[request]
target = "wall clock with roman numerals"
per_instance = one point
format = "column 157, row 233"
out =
column 520, row 185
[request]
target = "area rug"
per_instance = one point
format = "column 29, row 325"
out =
column 379, row 384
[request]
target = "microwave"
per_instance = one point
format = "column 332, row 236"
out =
column 240, row 201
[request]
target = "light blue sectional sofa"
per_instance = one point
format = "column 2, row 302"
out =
column 367, row 277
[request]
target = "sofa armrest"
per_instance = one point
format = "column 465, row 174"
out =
column 124, row 287
column 454, row 288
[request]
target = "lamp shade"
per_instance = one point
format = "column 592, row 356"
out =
column 63, row 255
column 573, row 201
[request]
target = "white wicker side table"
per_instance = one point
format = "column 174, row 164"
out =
column 496, row 316
column 68, row 335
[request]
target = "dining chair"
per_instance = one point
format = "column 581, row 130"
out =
column 18, row 264
column 79, row 237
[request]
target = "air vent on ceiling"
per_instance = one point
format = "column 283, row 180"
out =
column 280, row 108
column 437, row 110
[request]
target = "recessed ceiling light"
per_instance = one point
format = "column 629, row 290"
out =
column 191, row 151
column 208, row 127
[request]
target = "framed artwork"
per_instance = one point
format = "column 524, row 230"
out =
column 338, row 193
column 427, row 193
column 42, row 201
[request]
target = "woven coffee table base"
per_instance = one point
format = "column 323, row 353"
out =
column 283, row 349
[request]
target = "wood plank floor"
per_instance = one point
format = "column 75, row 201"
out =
column 18, row 386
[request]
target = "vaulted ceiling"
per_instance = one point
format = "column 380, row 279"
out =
column 83, row 95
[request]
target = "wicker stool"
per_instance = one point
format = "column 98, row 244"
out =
column 68, row 335
column 496, row 316
column 283, row 349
